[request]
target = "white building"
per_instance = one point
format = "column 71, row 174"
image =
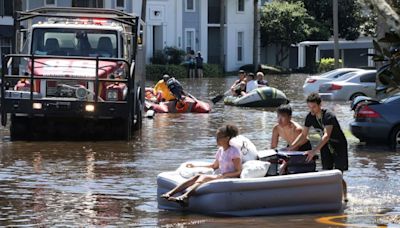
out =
column 6, row 26
column 194, row 25
column 185, row 24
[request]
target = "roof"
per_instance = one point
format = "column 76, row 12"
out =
column 343, row 44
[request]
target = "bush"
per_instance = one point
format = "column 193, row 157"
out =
column 327, row 64
column 212, row 70
column 174, row 55
column 155, row 71
column 170, row 55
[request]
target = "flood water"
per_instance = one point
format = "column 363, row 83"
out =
column 114, row 183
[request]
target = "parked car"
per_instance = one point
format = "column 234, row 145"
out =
column 377, row 121
column 350, row 86
column 312, row 83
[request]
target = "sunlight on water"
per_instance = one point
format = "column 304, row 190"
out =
column 114, row 183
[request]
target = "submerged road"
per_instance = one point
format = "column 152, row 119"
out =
column 114, row 183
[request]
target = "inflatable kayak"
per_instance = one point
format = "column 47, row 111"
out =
column 190, row 105
column 286, row 194
column 261, row 97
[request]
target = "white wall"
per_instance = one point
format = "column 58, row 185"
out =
column 167, row 18
column 239, row 22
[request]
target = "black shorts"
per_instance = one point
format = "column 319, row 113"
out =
column 336, row 160
column 306, row 146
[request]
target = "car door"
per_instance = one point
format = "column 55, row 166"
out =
column 368, row 84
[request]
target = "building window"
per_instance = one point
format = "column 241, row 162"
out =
column 189, row 39
column 50, row 2
column 120, row 4
column 240, row 47
column 190, row 6
column 240, row 6
column 6, row 8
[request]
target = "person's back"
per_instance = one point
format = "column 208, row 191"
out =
column 199, row 61
column 175, row 87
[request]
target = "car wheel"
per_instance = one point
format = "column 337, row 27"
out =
column 395, row 138
column 356, row 95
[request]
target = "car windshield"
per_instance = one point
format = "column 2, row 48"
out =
column 345, row 76
column 75, row 42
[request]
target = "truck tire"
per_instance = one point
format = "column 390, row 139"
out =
column 19, row 128
column 137, row 125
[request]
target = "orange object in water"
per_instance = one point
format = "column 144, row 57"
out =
column 182, row 108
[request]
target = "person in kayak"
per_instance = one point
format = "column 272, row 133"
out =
column 251, row 82
column 162, row 91
column 288, row 130
column 235, row 86
column 260, row 79
column 227, row 159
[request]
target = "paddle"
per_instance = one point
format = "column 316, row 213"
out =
column 220, row 96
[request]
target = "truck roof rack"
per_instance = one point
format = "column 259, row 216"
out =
column 73, row 12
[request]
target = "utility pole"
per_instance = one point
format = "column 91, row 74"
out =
column 335, row 33
column 256, row 30
column 222, row 35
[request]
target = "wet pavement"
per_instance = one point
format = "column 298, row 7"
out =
column 114, row 182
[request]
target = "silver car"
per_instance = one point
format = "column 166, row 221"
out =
column 312, row 83
column 350, row 86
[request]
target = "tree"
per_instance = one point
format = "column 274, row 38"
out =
column 284, row 24
column 350, row 16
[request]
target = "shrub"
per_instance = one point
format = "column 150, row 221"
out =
column 155, row 71
column 327, row 64
column 170, row 55
column 174, row 55
column 159, row 58
column 212, row 70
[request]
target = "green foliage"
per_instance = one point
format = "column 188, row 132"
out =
column 287, row 23
column 327, row 64
column 349, row 13
column 170, row 55
column 154, row 72
column 212, row 70
column 284, row 23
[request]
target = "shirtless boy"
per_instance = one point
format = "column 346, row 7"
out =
column 288, row 130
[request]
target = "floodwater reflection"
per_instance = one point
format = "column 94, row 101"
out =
column 114, row 183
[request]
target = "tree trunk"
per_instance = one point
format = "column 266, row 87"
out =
column 256, row 30
column 222, row 35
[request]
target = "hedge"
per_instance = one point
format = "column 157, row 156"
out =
column 327, row 64
column 154, row 72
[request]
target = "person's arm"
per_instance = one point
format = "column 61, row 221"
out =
column 237, row 162
column 214, row 165
column 325, row 138
column 299, row 140
column 275, row 137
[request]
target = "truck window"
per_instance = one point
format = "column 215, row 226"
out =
column 75, row 42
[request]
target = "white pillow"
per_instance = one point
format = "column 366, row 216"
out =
column 187, row 173
column 254, row 169
column 246, row 147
